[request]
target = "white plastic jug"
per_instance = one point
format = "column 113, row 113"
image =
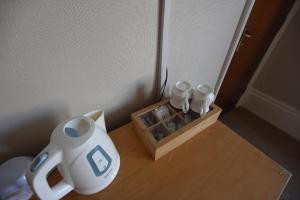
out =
column 83, row 153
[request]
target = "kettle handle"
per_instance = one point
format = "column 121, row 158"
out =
column 37, row 173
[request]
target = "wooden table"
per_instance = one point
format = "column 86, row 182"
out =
column 215, row 164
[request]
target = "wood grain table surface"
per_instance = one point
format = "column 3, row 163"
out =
column 216, row 164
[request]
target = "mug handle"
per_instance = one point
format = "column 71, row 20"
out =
column 37, row 173
column 209, row 101
column 186, row 105
column 202, row 112
column 205, row 108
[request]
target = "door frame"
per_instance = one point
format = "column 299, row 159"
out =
column 234, row 43
column 163, row 36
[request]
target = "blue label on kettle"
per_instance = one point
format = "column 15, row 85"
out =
column 99, row 160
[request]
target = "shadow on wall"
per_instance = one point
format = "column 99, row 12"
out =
column 120, row 114
column 28, row 133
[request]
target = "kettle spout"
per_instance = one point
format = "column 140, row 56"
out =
column 98, row 117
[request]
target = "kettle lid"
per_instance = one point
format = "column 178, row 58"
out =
column 73, row 132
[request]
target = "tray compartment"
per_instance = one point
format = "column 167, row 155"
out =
column 189, row 116
column 149, row 119
column 164, row 112
column 159, row 131
column 174, row 123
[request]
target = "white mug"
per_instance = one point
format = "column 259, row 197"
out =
column 203, row 97
column 180, row 94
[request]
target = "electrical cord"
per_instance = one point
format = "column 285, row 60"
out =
column 164, row 85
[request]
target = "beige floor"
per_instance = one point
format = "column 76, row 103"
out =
column 272, row 141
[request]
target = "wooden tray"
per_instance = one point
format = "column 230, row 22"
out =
column 159, row 137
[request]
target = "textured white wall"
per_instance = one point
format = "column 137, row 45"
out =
column 200, row 35
column 63, row 58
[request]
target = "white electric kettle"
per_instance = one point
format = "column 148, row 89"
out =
column 83, row 153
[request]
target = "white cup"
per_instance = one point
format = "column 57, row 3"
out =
column 180, row 94
column 203, row 97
